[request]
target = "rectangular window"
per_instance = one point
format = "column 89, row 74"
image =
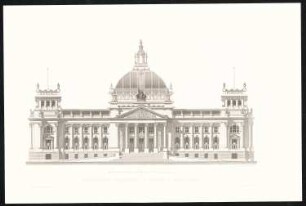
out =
column 47, row 104
column 186, row 129
column 205, row 155
column 95, row 130
column 234, row 156
column 186, row 155
column 205, row 129
column 76, row 130
column 42, row 103
column 216, row 129
column 48, row 156
column 66, row 156
column 196, row 129
column 85, row 129
column 132, row 130
column 105, row 155
column 151, row 130
column 105, row 130
column 85, row 155
column 76, row 156
column 95, row 155
column 53, row 103
column 215, row 156
column 141, row 129
column 67, row 130
column 177, row 129
column 196, row 155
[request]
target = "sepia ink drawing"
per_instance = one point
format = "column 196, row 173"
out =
column 141, row 125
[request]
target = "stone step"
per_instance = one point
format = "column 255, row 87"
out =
column 143, row 157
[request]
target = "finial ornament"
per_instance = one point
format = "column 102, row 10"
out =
column 224, row 86
column 58, row 87
column 37, row 87
column 244, row 86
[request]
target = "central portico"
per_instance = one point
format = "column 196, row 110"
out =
column 142, row 130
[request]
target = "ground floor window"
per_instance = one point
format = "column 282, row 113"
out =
column 186, row 155
column 205, row 155
column 234, row 155
column 215, row 156
column 76, row 156
column 66, row 156
column 105, row 142
column 196, row 155
column 48, row 156
column 85, row 155
column 104, row 155
column 177, row 143
column 95, row 155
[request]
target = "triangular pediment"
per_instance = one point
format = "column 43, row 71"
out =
column 142, row 113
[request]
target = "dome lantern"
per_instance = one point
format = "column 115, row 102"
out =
column 141, row 58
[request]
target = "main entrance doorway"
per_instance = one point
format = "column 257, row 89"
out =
column 131, row 145
column 141, row 145
column 151, row 144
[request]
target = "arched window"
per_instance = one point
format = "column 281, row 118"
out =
column 234, row 102
column 239, row 103
column 177, row 143
column 196, row 142
column 95, row 143
column 85, row 143
column 76, row 143
column 216, row 142
column 66, row 143
column 228, row 102
column 105, row 143
column 48, row 144
column 206, row 142
column 186, row 142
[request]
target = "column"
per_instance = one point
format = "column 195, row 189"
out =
column 90, row 129
column 146, row 138
column 181, row 137
column 241, row 132
column 126, row 138
column 100, row 144
column 212, row 135
column 72, row 137
column 201, row 137
column 251, row 133
column 155, row 138
column 55, row 139
column 31, row 132
column 81, row 137
column 192, row 136
column 227, row 136
column 136, row 138
column 165, row 138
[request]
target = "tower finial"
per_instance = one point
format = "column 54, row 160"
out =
column 234, row 78
column 47, row 78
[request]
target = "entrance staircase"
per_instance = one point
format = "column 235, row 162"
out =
column 143, row 157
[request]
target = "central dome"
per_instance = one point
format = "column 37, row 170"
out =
column 141, row 84
column 142, row 79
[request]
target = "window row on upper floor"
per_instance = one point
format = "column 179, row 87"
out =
column 95, row 129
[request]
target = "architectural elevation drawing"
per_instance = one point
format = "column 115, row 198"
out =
column 141, row 125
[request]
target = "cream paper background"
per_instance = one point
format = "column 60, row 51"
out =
column 195, row 48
